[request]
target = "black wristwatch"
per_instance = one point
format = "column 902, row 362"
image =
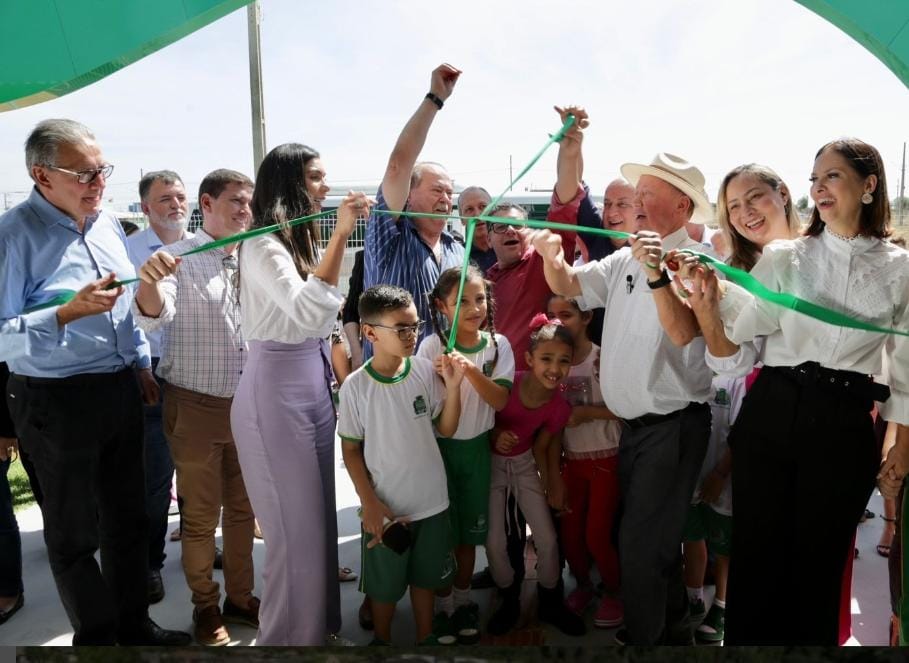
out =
column 434, row 98
column 661, row 282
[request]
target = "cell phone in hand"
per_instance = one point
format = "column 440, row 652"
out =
column 396, row 536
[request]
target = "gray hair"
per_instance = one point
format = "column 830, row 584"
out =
column 502, row 209
column 417, row 173
column 166, row 176
column 46, row 138
column 473, row 189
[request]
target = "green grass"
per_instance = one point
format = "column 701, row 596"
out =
column 18, row 484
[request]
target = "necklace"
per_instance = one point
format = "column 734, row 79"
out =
column 842, row 237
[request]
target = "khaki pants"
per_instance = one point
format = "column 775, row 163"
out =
column 197, row 427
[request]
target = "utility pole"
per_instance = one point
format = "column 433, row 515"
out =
column 254, row 16
column 510, row 172
column 902, row 185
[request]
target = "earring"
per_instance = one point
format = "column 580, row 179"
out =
column 867, row 199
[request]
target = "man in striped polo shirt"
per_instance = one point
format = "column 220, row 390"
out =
column 405, row 251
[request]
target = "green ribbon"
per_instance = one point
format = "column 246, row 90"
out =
column 468, row 239
column 65, row 296
column 784, row 299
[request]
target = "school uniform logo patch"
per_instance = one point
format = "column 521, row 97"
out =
column 487, row 368
column 722, row 397
column 419, row 406
column 480, row 526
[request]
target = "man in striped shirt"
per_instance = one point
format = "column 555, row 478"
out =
column 405, row 251
column 195, row 300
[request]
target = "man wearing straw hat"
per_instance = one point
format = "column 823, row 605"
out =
column 657, row 386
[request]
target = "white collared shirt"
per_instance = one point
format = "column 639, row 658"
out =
column 276, row 303
column 141, row 246
column 641, row 370
column 865, row 278
column 202, row 348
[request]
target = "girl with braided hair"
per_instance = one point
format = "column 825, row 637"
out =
column 489, row 371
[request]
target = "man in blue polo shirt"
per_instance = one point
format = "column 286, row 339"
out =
column 405, row 251
column 73, row 391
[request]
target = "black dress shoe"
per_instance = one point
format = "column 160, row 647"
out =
column 150, row 634
column 17, row 606
column 155, row 586
column 219, row 559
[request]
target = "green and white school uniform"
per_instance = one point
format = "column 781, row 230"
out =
column 467, row 454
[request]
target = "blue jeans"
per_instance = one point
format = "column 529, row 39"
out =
column 159, row 470
column 10, row 542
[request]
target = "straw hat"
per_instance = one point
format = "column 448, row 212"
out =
column 679, row 173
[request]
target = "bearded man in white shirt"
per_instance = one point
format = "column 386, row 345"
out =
column 655, row 383
column 195, row 300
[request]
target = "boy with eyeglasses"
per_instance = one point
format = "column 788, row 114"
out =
column 389, row 409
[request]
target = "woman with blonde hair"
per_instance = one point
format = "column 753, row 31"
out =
column 803, row 444
column 754, row 207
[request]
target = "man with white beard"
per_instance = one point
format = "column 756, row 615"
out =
column 164, row 203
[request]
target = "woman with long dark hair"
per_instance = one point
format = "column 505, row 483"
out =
column 803, row 446
column 283, row 418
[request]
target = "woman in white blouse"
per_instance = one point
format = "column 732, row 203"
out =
column 803, row 446
column 283, row 418
column 754, row 207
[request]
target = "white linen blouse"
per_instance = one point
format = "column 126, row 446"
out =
column 865, row 277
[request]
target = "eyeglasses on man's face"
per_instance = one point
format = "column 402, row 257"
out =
column 499, row 228
column 404, row 332
column 85, row 176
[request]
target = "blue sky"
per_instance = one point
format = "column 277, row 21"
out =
column 719, row 82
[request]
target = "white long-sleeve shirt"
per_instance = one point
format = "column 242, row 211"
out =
column 276, row 304
column 865, row 278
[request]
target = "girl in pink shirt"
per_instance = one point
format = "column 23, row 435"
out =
column 528, row 428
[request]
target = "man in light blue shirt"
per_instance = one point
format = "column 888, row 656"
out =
column 163, row 200
column 73, row 392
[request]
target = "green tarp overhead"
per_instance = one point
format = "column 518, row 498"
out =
column 51, row 47
column 881, row 26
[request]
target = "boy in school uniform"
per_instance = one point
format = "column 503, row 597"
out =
column 388, row 408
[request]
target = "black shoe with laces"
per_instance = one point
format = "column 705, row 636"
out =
column 149, row 634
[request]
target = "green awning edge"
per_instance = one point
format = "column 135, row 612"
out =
column 846, row 23
column 157, row 43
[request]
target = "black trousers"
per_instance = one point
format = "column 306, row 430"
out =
column 159, row 470
column 658, row 469
column 84, row 436
column 804, row 466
